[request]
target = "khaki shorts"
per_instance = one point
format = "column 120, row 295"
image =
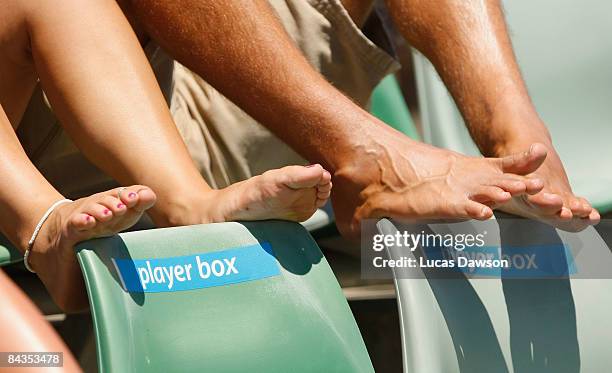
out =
column 226, row 144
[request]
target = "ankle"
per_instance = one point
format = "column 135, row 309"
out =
column 513, row 133
column 187, row 209
column 521, row 143
column 27, row 224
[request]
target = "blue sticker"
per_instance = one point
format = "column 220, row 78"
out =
column 197, row 271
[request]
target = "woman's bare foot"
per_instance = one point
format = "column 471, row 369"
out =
column 102, row 214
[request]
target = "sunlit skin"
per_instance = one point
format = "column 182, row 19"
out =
column 122, row 124
column 377, row 171
column 252, row 61
column 468, row 43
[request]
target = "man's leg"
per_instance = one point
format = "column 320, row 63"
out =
column 249, row 58
column 25, row 195
column 468, row 43
column 106, row 96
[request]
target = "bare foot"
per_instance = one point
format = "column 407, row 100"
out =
column 556, row 204
column 408, row 180
column 289, row 193
column 102, row 214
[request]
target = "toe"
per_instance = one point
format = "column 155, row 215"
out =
column 98, row 211
column 594, row 216
column 137, row 197
column 323, row 195
column 326, row 188
column 114, row 204
column 81, row 222
column 298, row 177
column 491, row 194
column 128, row 195
column 575, row 207
column 526, row 162
column 325, row 179
column 586, row 205
column 146, row 199
column 580, row 207
column 548, row 203
column 565, row 213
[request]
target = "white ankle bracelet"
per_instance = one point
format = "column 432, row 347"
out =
column 44, row 218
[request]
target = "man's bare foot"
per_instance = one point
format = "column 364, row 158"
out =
column 418, row 181
column 289, row 193
column 556, row 204
column 102, row 214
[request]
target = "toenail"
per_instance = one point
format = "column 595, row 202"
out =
column 88, row 218
column 106, row 212
column 120, row 205
column 312, row 165
column 132, row 195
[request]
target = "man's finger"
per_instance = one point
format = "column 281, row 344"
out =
column 526, row 162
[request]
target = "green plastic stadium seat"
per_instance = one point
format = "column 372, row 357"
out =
column 564, row 52
column 8, row 253
column 275, row 307
column 389, row 106
column 509, row 325
column 527, row 325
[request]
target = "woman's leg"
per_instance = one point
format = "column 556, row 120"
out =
column 25, row 196
column 24, row 193
column 103, row 90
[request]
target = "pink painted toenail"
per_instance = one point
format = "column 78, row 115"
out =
column 132, row 195
column 120, row 205
column 106, row 212
column 88, row 218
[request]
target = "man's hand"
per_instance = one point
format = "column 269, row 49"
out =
column 399, row 178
